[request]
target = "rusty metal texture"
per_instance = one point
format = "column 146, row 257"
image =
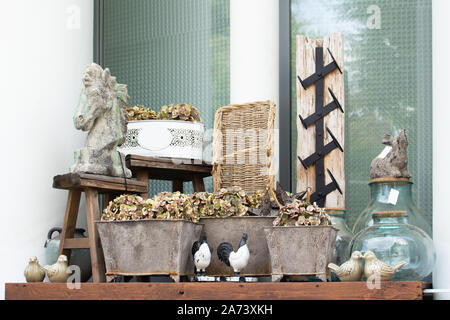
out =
column 300, row 251
column 230, row 230
column 149, row 247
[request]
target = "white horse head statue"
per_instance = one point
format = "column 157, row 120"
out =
column 101, row 111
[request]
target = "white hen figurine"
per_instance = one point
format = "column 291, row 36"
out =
column 202, row 255
column 34, row 271
column 237, row 260
column 58, row 272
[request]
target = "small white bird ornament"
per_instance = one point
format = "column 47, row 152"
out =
column 350, row 270
column 202, row 255
column 34, row 271
column 237, row 260
column 58, row 272
column 374, row 266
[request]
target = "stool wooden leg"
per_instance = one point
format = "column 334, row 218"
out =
column 199, row 185
column 142, row 175
column 70, row 221
column 93, row 214
column 177, row 185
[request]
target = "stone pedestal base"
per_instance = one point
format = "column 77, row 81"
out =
column 104, row 162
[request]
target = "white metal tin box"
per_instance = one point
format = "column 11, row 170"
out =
column 164, row 138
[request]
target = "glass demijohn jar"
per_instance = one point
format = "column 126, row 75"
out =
column 337, row 217
column 394, row 240
column 391, row 194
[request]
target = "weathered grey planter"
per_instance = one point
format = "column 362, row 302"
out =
column 230, row 230
column 149, row 247
column 300, row 251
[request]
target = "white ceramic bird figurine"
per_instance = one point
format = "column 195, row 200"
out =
column 350, row 270
column 34, row 271
column 237, row 260
column 58, row 272
column 374, row 266
column 202, row 255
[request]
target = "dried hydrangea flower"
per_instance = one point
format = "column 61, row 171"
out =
column 124, row 207
column 140, row 113
column 256, row 199
column 300, row 213
column 226, row 202
column 181, row 111
column 301, row 220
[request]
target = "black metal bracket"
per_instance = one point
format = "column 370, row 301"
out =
column 319, row 75
column 326, row 110
column 317, row 118
column 318, row 196
column 322, row 152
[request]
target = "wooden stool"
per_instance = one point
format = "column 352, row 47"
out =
column 175, row 170
column 92, row 185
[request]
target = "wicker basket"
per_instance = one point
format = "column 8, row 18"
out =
column 243, row 146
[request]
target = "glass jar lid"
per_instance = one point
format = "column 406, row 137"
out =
column 390, row 214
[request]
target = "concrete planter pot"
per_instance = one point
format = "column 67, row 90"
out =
column 149, row 247
column 230, row 230
column 300, row 251
column 164, row 138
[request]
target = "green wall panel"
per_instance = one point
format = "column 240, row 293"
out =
column 170, row 51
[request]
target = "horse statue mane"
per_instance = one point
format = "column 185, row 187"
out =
column 393, row 161
column 101, row 111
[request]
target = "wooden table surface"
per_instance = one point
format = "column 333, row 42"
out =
column 409, row 290
column 169, row 168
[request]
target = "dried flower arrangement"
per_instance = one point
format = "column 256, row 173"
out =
column 223, row 203
column 171, row 205
column 175, row 205
column 126, row 207
column 302, row 213
column 182, row 111
column 233, row 202
column 294, row 211
column 140, row 113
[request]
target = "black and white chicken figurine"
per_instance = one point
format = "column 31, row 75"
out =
column 237, row 260
column 202, row 256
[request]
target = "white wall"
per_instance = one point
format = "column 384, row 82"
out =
column 441, row 149
column 45, row 48
column 253, row 50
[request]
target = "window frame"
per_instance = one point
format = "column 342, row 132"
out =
column 285, row 133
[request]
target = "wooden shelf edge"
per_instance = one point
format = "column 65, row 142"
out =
column 99, row 182
column 408, row 290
